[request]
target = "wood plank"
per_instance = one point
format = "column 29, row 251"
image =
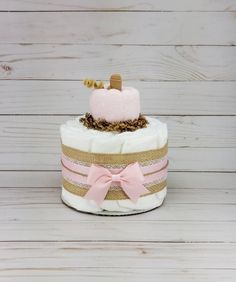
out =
column 126, row 28
column 168, row 212
column 201, row 131
column 117, row 255
column 176, row 179
column 16, row 196
column 118, row 275
column 201, row 180
column 76, row 62
column 203, row 159
column 42, row 179
column 106, row 230
column 70, row 97
column 121, row 5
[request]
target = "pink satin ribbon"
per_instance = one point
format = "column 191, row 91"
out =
column 131, row 180
column 82, row 179
column 76, row 167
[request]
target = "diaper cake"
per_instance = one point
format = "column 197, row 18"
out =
column 114, row 159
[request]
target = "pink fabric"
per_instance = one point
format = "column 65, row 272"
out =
column 159, row 164
column 114, row 105
column 80, row 179
column 131, row 181
column 74, row 166
column 74, row 177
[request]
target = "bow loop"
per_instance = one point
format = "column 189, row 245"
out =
column 97, row 172
column 131, row 181
column 132, row 173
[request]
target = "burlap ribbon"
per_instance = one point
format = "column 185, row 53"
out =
column 144, row 158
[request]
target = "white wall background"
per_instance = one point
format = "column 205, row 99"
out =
column 180, row 54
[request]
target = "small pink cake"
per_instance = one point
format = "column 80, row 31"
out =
column 115, row 105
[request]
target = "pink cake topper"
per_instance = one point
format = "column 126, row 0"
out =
column 114, row 103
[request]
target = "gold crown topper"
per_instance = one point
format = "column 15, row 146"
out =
column 115, row 83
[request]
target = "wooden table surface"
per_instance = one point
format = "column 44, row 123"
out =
column 191, row 237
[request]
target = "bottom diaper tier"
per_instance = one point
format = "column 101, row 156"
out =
column 112, row 207
column 114, row 174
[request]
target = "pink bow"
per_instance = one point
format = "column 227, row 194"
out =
column 130, row 180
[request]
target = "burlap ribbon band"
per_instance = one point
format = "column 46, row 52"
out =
column 100, row 159
column 143, row 158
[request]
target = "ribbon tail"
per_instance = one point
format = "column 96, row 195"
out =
column 134, row 190
column 97, row 192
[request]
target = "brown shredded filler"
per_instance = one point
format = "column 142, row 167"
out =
column 121, row 126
